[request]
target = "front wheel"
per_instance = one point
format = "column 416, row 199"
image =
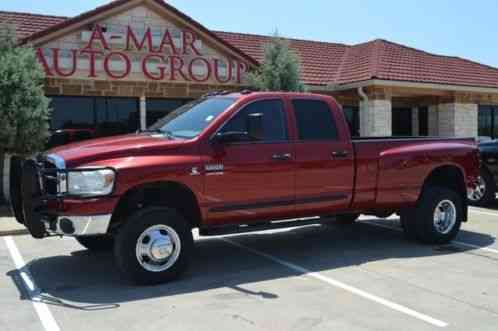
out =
column 154, row 246
column 437, row 217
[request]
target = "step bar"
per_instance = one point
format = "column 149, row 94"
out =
column 262, row 226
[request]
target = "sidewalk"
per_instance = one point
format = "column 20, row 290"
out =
column 8, row 225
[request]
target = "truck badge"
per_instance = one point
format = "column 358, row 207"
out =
column 215, row 167
column 195, row 171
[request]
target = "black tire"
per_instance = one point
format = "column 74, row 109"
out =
column 97, row 243
column 489, row 190
column 421, row 224
column 346, row 219
column 126, row 244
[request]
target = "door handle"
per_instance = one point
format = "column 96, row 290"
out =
column 282, row 157
column 340, row 154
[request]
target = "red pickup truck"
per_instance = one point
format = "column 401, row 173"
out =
column 239, row 162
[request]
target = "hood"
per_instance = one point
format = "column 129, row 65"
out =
column 95, row 150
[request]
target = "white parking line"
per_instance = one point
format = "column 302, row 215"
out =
column 343, row 286
column 478, row 211
column 461, row 243
column 46, row 317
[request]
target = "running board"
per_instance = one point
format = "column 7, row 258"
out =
column 255, row 227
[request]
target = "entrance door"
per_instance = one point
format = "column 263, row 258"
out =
column 252, row 177
column 402, row 122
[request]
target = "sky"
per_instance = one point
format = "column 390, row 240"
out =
column 463, row 28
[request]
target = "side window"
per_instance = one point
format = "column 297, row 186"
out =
column 314, row 120
column 274, row 123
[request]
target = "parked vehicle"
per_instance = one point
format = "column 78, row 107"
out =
column 485, row 191
column 231, row 163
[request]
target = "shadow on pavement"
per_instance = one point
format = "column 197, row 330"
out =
column 92, row 279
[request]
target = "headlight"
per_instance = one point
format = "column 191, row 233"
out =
column 91, row 182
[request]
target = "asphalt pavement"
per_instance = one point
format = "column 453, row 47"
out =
column 331, row 277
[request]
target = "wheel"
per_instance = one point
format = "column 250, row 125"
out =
column 437, row 217
column 97, row 243
column 153, row 246
column 485, row 191
column 346, row 219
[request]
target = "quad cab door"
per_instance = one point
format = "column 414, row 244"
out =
column 251, row 179
column 324, row 158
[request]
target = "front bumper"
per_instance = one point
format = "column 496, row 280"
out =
column 38, row 205
column 78, row 225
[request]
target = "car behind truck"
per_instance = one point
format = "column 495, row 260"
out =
column 239, row 162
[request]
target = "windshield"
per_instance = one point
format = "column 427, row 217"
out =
column 189, row 121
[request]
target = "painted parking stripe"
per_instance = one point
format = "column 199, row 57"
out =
column 456, row 242
column 46, row 317
column 478, row 211
column 343, row 286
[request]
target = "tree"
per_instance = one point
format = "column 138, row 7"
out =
column 280, row 69
column 24, row 109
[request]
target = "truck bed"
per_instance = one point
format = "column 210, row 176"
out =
column 389, row 170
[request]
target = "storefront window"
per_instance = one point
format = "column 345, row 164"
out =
column 423, row 121
column 488, row 121
column 159, row 108
column 72, row 113
column 117, row 116
column 79, row 118
column 402, row 122
column 353, row 118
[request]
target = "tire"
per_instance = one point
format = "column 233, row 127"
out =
column 346, row 219
column 158, row 264
column 486, row 193
column 422, row 224
column 97, row 243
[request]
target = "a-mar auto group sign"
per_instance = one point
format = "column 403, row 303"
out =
column 148, row 53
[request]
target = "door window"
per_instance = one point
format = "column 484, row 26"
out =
column 274, row 124
column 314, row 120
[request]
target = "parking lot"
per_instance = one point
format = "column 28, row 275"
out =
column 329, row 277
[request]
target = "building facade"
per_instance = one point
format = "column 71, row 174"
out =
column 122, row 66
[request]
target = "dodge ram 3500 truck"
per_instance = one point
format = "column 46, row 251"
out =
column 238, row 162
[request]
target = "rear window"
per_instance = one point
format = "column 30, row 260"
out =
column 314, row 120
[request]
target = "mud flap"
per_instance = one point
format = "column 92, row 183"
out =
column 32, row 200
column 15, row 176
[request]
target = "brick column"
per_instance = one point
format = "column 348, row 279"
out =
column 458, row 120
column 415, row 122
column 376, row 118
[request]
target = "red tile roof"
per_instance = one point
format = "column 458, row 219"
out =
column 325, row 63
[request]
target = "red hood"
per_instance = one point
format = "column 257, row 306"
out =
column 114, row 147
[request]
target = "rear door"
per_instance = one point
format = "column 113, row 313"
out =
column 253, row 180
column 324, row 158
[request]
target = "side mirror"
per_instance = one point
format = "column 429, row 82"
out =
column 255, row 127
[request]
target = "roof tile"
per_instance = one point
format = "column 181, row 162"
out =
column 325, row 63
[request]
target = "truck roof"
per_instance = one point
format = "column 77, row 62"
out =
column 254, row 94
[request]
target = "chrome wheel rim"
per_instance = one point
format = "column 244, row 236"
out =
column 445, row 216
column 479, row 191
column 158, row 248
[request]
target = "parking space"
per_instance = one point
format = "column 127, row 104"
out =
column 361, row 277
